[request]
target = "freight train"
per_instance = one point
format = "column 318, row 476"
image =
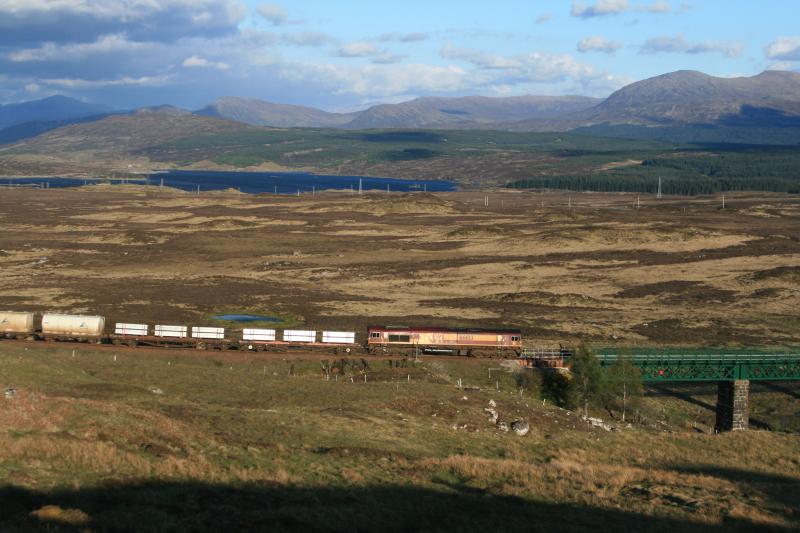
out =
column 388, row 340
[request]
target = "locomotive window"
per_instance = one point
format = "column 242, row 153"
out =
column 399, row 338
column 375, row 335
column 515, row 337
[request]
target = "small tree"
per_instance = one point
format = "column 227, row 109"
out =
column 623, row 383
column 587, row 375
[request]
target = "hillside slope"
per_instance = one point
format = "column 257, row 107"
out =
column 260, row 113
column 52, row 108
column 769, row 99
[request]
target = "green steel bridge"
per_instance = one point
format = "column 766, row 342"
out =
column 687, row 366
column 732, row 372
column 714, row 367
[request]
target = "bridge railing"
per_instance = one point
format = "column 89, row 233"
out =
column 688, row 367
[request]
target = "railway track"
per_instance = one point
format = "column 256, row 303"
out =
column 228, row 355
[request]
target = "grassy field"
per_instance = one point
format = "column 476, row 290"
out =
column 160, row 441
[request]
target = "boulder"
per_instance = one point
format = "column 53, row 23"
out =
column 520, row 427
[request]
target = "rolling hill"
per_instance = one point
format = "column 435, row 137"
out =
column 688, row 98
column 52, row 108
column 429, row 112
column 260, row 113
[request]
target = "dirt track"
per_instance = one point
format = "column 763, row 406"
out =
column 675, row 271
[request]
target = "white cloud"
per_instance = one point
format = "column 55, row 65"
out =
column 387, row 58
column 597, row 43
column 479, row 59
column 32, row 87
column 197, row 61
column 358, row 49
column 274, row 14
column 79, row 83
column 308, row 38
column 599, row 9
column 380, row 80
column 85, row 20
column 680, row 45
column 784, row 48
column 105, row 44
column 412, row 37
column 544, row 17
column 656, row 7
column 614, row 7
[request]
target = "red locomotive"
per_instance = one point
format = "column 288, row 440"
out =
column 456, row 341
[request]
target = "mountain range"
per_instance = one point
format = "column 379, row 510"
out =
column 685, row 104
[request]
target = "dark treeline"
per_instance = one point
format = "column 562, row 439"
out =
column 688, row 186
column 762, row 164
column 687, row 174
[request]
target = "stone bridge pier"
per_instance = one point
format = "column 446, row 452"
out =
column 732, row 410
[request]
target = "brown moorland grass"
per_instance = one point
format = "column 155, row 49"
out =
column 678, row 271
column 238, row 442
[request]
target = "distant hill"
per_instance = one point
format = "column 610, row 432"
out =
column 52, row 108
column 428, row 112
column 468, row 111
column 688, row 98
column 125, row 133
column 260, row 113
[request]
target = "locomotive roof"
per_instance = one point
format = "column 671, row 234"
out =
column 448, row 330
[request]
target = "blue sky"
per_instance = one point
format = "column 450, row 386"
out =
column 349, row 54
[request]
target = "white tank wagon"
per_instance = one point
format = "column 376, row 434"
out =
column 15, row 324
column 58, row 326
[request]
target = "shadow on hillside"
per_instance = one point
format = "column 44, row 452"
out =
column 152, row 506
column 788, row 388
column 782, row 492
column 664, row 390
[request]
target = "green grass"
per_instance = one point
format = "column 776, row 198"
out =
column 246, row 443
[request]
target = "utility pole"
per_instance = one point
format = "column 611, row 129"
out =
column 723, row 201
column 359, row 186
column 659, row 188
column 637, row 201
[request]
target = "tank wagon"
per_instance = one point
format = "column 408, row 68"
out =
column 72, row 327
column 389, row 340
column 16, row 325
column 433, row 340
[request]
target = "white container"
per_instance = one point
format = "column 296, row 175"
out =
column 14, row 322
column 339, row 337
column 170, row 331
column 299, row 335
column 200, row 332
column 258, row 335
column 73, row 325
column 139, row 330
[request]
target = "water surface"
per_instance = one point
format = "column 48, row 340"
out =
column 253, row 182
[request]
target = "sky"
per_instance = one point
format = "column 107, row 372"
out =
column 348, row 54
